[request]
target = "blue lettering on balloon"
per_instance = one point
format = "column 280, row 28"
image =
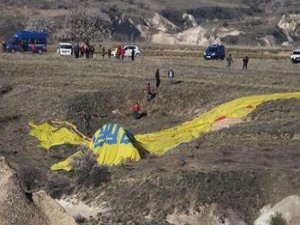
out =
column 108, row 134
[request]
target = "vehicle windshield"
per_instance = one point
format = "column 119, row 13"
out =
column 296, row 52
column 13, row 40
column 66, row 46
column 211, row 49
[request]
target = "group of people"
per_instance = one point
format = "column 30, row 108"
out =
column 80, row 51
column 229, row 60
column 89, row 51
column 136, row 108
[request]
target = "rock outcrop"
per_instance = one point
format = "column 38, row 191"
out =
column 289, row 208
column 16, row 207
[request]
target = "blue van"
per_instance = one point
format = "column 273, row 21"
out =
column 215, row 51
column 23, row 41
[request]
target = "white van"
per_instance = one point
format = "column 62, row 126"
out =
column 65, row 48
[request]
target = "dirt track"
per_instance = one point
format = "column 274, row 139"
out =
column 242, row 167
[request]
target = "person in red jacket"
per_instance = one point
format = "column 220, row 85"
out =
column 135, row 109
column 149, row 92
column 122, row 53
column 33, row 47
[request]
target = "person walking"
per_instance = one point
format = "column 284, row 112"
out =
column 3, row 46
column 149, row 92
column 76, row 51
column 33, row 47
column 122, row 53
column 103, row 52
column 245, row 62
column 109, row 53
column 157, row 78
column 82, row 50
column 171, row 75
column 132, row 54
column 229, row 61
column 87, row 52
column 135, row 110
column 92, row 51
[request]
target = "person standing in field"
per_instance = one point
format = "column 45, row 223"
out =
column 149, row 92
column 171, row 75
column 87, row 52
column 103, row 52
column 82, row 50
column 245, row 62
column 33, row 47
column 76, row 51
column 157, row 78
column 109, row 53
column 122, row 53
column 3, row 46
column 229, row 61
column 132, row 54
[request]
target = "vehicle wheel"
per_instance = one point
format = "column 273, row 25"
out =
column 40, row 51
column 137, row 55
column 13, row 51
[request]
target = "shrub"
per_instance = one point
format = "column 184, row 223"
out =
column 88, row 172
column 278, row 219
column 58, row 185
column 30, row 177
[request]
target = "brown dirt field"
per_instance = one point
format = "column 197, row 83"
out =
column 242, row 167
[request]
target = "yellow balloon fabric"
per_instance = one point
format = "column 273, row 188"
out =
column 112, row 144
column 162, row 141
column 57, row 133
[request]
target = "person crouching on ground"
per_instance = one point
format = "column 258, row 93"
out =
column 135, row 110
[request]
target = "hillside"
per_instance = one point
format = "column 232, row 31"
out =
column 228, row 173
column 231, row 22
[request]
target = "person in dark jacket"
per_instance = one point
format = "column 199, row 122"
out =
column 87, row 52
column 109, row 53
column 103, row 52
column 76, row 51
column 157, row 78
column 132, row 54
column 245, row 62
column 3, row 46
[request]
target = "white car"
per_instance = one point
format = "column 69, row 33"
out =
column 295, row 57
column 128, row 50
column 65, row 48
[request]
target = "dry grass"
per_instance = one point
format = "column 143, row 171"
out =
column 47, row 87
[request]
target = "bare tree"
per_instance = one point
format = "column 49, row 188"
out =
column 84, row 24
column 41, row 24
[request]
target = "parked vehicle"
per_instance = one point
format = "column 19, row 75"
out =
column 65, row 48
column 295, row 57
column 128, row 50
column 215, row 51
column 27, row 41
